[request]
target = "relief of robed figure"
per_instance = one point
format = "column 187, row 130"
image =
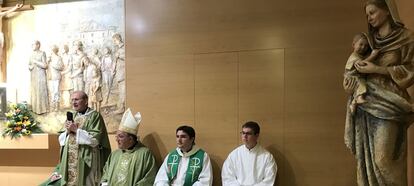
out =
column 38, row 88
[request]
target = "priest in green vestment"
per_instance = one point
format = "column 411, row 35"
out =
column 186, row 165
column 132, row 163
column 84, row 146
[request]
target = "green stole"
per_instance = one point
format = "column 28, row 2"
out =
column 195, row 165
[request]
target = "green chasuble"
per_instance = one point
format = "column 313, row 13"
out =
column 88, row 157
column 130, row 167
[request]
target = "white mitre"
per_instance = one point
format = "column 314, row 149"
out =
column 129, row 122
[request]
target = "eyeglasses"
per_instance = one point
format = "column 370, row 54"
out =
column 246, row 133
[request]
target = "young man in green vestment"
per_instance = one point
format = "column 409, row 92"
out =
column 84, row 146
column 132, row 163
column 187, row 164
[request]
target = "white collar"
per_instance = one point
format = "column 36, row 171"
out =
column 254, row 149
column 87, row 112
column 193, row 150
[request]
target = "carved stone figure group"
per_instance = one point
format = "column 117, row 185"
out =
column 55, row 77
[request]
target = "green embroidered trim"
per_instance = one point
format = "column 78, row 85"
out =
column 195, row 165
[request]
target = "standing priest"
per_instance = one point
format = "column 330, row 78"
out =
column 84, row 146
column 132, row 163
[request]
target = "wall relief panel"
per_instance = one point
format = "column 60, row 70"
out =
column 56, row 49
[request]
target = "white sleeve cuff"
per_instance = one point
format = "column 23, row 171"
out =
column 83, row 138
column 62, row 139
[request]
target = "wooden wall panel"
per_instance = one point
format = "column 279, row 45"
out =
column 21, row 175
column 216, row 106
column 182, row 27
column 28, row 167
column 162, row 89
column 261, row 99
column 315, row 105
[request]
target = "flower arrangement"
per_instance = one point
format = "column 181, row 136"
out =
column 20, row 121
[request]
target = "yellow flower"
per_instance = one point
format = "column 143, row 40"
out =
column 13, row 105
column 25, row 118
column 27, row 122
column 19, row 123
column 9, row 114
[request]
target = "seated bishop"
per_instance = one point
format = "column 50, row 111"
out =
column 132, row 163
